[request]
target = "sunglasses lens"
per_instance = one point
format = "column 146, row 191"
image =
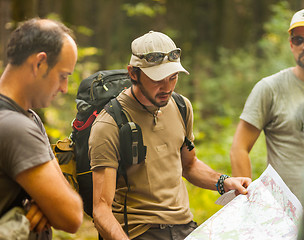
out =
column 155, row 57
column 174, row 55
column 297, row 40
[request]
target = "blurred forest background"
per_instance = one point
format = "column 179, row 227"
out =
column 227, row 46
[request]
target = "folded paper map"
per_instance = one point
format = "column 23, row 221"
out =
column 269, row 211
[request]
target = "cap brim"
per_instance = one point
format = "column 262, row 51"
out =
column 163, row 70
column 297, row 24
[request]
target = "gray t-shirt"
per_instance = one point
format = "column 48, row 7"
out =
column 276, row 106
column 23, row 145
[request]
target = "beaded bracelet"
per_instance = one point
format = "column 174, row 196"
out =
column 220, row 183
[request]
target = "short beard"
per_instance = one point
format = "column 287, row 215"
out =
column 299, row 61
column 146, row 94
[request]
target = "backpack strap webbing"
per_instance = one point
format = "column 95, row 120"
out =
column 115, row 110
column 181, row 104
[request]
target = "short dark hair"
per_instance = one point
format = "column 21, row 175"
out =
column 34, row 36
column 136, row 71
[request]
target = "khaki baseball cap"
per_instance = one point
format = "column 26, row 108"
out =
column 297, row 20
column 153, row 42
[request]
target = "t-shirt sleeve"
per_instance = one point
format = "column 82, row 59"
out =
column 257, row 109
column 104, row 142
column 23, row 144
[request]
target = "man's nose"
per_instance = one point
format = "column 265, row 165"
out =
column 64, row 86
column 167, row 85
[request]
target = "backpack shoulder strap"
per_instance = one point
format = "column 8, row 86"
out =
column 181, row 104
column 114, row 108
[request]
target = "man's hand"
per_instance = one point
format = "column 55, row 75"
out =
column 239, row 184
column 38, row 222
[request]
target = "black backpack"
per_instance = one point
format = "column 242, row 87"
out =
column 96, row 92
column 93, row 94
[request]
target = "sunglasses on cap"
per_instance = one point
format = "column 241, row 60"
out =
column 158, row 57
column 297, row 40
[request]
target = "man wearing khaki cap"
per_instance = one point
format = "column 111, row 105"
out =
column 157, row 200
column 275, row 106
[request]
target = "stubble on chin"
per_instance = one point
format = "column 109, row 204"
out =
column 300, row 60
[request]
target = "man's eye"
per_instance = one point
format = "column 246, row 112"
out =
column 64, row 76
column 173, row 77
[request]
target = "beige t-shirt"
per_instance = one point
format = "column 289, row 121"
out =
column 157, row 193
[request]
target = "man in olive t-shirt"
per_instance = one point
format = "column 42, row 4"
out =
column 157, row 202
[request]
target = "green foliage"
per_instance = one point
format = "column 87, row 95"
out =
column 224, row 87
column 215, row 153
column 275, row 44
column 202, row 203
column 143, row 9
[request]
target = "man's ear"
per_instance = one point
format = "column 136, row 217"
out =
column 39, row 59
column 132, row 73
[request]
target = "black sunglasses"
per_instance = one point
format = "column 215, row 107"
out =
column 297, row 40
column 158, row 57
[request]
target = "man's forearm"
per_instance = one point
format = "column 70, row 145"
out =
column 240, row 164
column 107, row 225
column 201, row 175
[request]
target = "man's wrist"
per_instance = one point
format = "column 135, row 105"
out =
column 220, row 183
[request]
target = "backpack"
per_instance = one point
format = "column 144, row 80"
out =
column 64, row 153
column 93, row 94
column 96, row 92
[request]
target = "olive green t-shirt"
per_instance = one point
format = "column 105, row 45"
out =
column 157, row 193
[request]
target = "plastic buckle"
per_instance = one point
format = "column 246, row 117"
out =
column 162, row 226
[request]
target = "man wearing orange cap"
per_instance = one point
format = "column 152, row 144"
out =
column 157, row 199
column 275, row 106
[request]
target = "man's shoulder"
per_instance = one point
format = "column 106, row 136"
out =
column 104, row 123
column 275, row 82
column 9, row 117
column 279, row 77
column 14, row 123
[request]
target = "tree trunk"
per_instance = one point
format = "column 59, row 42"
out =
column 5, row 9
